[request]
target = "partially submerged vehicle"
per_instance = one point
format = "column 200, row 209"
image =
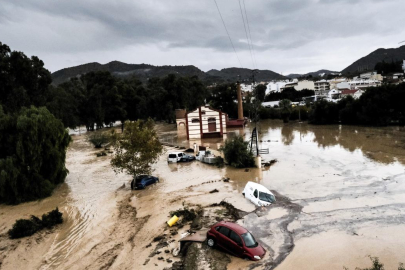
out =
column 205, row 155
column 175, row 157
column 236, row 240
column 141, row 181
column 258, row 194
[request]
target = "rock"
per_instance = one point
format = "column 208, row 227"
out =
column 150, row 244
column 160, row 258
column 167, row 251
column 214, row 191
column 169, row 261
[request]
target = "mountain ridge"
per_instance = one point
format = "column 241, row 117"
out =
column 313, row 74
column 146, row 71
column 368, row 62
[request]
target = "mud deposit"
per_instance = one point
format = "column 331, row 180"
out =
column 340, row 198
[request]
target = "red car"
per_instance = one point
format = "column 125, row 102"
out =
column 236, row 240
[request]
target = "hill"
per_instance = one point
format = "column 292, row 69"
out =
column 244, row 74
column 145, row 71
column 319, row 73
column 120, row 69
column 368, row 62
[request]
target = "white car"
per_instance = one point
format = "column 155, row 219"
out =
column 258, row 194
column 175, row 157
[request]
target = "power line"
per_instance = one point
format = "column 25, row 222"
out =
column 226, row 29
column 247, row 36
column 250, row 34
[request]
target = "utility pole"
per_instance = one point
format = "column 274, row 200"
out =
column 240, row 105
column 256, row 104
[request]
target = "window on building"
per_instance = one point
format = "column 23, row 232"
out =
column 212, row 120
column 195, row 120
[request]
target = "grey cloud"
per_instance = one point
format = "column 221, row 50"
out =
column 76, row 26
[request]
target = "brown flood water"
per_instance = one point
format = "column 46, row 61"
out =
column 349, row 182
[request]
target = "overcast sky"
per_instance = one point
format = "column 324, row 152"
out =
column 288, row 36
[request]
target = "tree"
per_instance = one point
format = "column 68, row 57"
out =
column 98, row 139
column 285, row 107
column 33, row 147
column 223, row 97
column 260, row 92
column 23, row 81
column 324, row 113
column 237, row 154
column 136, row 149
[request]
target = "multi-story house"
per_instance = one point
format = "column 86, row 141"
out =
column 322, row 87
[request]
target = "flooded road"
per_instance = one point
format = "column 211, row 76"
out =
column 340, row 191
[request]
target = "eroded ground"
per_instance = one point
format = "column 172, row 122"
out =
column 340, row 194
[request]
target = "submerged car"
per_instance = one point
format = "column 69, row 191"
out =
column 141, row 181
column 175, row 157
column 236, row 240
column 258, row 194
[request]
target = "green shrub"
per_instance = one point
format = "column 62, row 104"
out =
column 27, row 227
column 324, row 113
column 237, row 154
column 98, row 139
column 52, row 218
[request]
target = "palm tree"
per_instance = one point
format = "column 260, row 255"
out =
column 285, row 107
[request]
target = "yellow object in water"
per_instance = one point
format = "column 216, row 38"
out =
column 172, row 221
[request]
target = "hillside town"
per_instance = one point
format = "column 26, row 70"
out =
column 332, row 89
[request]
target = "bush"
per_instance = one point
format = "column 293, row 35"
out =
column 219, row 162
column 27, row 227
column 98, row 139
column 269, row 113
column 237, row 154
column 324, row 113
column 52, row 218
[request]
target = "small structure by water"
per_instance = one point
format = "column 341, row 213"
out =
column 205, row 122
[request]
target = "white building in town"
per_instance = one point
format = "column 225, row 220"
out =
column 370, row 76
column 362, row 84
column 205, row 122
column 334, row 94
column 246, row 87
column 322, row 87
column 334, row 82
column 275, row 87
column 310, row 85
column 403, row 66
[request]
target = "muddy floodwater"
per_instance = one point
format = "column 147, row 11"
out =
column 340, row 198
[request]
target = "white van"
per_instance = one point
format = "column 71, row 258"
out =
column 258, row 194
column 174, row 157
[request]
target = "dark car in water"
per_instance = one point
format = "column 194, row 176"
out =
column 141, row 181
column 236, row 240
column 187, row 158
